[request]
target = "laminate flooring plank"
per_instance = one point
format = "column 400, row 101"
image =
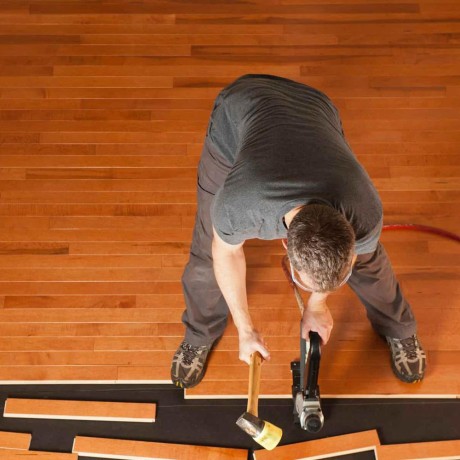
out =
column 80, row 410
column 323, row 448
column 440, row 450
column 134, row 450
column 19, row 441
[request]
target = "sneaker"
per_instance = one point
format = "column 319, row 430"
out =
column 189, row 365
column 408, row 359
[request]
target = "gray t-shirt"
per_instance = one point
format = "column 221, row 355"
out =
column 287, row 148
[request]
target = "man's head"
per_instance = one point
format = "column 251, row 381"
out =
column 320, row 244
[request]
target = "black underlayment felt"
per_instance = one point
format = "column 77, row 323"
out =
column 212, row 422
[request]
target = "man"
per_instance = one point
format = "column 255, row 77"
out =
column 276, row 164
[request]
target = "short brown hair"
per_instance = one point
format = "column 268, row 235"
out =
column 320, row 242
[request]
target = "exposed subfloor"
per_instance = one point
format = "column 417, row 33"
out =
column 212, row 422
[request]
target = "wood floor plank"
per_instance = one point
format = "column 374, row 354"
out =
column 270, row 316
column 45, row 261
column 210, row 24
column 119, row 25
column 8, row 454
column 79, row 410
column 88, row 358
column 177, row 234
column 155, row 159
column 447, row 281
column 65, row 82
column 58, row 374
column 19, row 441
column 254, row 8
column 323, row 448
column 387, row 388
column 419, row 451
column 172, row 273
column 112, row 150
column 133, row 450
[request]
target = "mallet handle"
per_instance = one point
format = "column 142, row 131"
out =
column 254, row 383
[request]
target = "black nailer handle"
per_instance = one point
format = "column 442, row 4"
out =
column 312, row 361
column 313, row 368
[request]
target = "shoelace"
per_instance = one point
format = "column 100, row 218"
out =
column 189, row 352
column 410, row 347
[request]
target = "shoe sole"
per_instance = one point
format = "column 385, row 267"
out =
column 393, row 368
column 401, row 377
column 180, row 384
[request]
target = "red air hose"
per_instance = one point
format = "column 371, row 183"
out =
column 424, row 228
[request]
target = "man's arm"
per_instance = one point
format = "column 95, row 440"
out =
column 317, row 317
column 230, row 271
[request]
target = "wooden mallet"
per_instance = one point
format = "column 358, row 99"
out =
column 264, row 433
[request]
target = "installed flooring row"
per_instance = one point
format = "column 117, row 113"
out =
column 103, row 111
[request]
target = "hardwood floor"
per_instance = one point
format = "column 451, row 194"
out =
column 103, row 110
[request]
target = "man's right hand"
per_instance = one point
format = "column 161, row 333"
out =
column 317, row 317
column 250, row 342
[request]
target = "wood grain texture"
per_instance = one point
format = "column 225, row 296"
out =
column 133, row 450
column 10, row 440
column 323, row 448
column 103, row 111
column 417, row 451
column 80, row 410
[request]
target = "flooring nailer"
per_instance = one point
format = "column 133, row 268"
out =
column 305, row 389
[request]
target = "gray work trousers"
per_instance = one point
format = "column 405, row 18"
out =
column 205, row 317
